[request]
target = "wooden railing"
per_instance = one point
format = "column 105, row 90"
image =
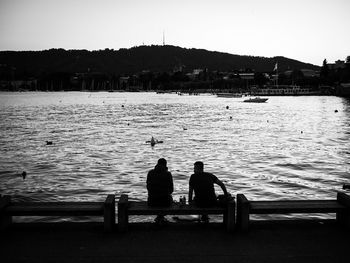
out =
column 127, row 208
column 245, row 207
column 106, row 209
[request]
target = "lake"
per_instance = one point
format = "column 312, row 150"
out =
column 286, row 148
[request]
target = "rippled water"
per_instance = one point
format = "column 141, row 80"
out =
column 287, row 148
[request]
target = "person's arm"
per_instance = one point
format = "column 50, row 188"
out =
column 190, row 194
column 148, row 181
column 221, row 184
column 171, row 183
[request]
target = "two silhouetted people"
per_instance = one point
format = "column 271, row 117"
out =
column 160, row 187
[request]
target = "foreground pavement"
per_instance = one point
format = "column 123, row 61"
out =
column 183, row 242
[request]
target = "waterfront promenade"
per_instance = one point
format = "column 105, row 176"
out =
column 294, row 241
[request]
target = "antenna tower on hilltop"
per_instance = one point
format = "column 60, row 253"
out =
column 163, row 38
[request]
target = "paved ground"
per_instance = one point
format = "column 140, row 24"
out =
column 182, row 242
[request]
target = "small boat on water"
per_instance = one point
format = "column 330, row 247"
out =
column 229, row 95
column 256, row 100
column 153, row 141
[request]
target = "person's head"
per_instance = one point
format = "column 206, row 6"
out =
column 198, row 167
column 161, row 162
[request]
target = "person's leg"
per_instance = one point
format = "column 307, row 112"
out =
column 205, row 218
column 159, row 219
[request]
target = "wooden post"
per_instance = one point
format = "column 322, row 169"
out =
column 231, row 219
column 242, row 212
column 5, row 220
column 109, row 213
column 123, row 216
column 343, row 217
column 225, row 216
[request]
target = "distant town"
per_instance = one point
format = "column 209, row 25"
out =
column 278, row 78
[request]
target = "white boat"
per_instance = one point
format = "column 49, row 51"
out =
column 256, row 100
column 229, row 95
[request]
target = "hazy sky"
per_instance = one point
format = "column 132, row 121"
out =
column 306, row 30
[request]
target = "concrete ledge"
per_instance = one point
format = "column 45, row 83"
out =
column 268, row 241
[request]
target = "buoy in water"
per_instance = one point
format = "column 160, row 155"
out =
column 24, row 174
column 227, row 107
column 336, row 111
column 48, row 142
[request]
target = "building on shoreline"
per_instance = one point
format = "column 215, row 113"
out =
column 284, row 90
column 343, row 90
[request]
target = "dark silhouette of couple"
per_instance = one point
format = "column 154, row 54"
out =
column 160, row 188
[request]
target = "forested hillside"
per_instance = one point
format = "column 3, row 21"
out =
column 133, row 60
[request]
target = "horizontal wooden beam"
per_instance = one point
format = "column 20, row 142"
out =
column 54, row 209
column 141, row 208
column 298, row 206
column 126, row 208
column 340, row 206
column 105, row 209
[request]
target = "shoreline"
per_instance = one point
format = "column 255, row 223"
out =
column 178, row 92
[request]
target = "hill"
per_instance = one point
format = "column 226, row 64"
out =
column 136, row 59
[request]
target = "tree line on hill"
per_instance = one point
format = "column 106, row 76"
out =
column 147, row 67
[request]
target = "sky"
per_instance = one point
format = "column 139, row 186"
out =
column 305, row 30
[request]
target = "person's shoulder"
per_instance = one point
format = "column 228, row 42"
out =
column 192, row 176
column 211, row 175
column 150, row 172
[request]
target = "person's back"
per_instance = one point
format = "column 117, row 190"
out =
column 203, row 186
column 160, row 185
